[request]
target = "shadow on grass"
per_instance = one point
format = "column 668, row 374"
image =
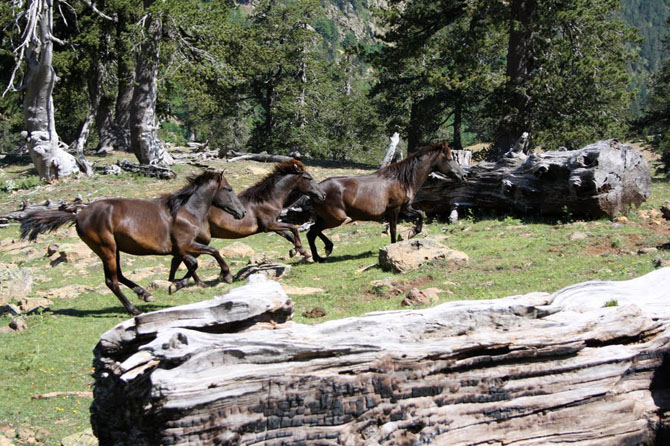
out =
column 344, row 258
column 106, row 312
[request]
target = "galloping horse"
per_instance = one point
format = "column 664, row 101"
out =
column 163, row 226
column 263, row 203
column 383, row 194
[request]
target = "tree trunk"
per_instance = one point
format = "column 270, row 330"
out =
column 390, row 151
column 562, row 368
column 602, row 179
column 457, row 143
column 516, row 108
column 50, row 160
column 143, row 123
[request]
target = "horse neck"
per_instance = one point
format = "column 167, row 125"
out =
column 423, row 168
column 284, row 187
column 199, row 203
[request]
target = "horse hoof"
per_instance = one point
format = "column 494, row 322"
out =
column 329, row 252
column 172, row 289
column 228, row 278
column 148, row 298
column 292, row 253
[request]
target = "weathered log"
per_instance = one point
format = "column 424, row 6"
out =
column 390, row 151
column 68, row 206
column 150, row 170
column 261, row 157
column 602, row 179
column 559, row 368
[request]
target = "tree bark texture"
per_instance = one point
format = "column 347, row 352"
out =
column 50, row 160
column 602, row 179
column 526, row 370
column 143, row 123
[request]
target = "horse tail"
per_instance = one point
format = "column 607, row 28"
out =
column 39, row 222
column 298, row 212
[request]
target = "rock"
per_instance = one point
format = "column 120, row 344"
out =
column 661, row 263
column 643, row 251
column 578, row 236
column 159, row 285
column 303, row 291
column 11, row 309
column 84, row 438
column 15, row 282
column 28, row 305
column 419, row 297
column 315, row 313
column 68, row 291
column 269, row 270
column 621, row 219
column 4, row 441
column 237, row 249
column 112, row 169
column 260, row 258
column 411, row 254
column 52, row 249
column 71, row 253
column 18, row 325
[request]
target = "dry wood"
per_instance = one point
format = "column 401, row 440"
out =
column 526, row 370
column 262, row 157
column 46, row 396
column 151, row 170
column 68, row 206
column 602, row 179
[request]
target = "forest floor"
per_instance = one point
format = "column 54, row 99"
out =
column 508, row 256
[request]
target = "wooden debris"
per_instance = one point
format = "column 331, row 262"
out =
column 602, row 179
column 526, row 370
column 262, row 157
column 151, row 170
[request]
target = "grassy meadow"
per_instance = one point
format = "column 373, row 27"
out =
column 508, row 256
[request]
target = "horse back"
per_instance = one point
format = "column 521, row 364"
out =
column 365, row 197
column 139, row 227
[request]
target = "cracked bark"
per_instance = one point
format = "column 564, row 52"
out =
column 535, row 369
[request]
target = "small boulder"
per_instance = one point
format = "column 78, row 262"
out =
column 237, row 249
column 302, row 291
column 411, row 254
column 578, row 236
column 15, row 282
column 420, row 297
column 18, row 325
column 28, row 305
column 269, row 270
column 74, row 252
column 85, row 438
column 314, row 313
column 159, row 284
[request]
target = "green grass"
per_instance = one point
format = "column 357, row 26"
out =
column 508, row 256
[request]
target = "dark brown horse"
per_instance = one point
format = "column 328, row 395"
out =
column 381, row 195
column 164, row 226
column 263, row 203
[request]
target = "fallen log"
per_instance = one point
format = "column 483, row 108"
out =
column 26, row 208
column 603, row 179
column 150, row 170
column 261, row 157
column 586, row 365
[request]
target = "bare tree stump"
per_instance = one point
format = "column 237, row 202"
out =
column 536, row 369
column 602, row 179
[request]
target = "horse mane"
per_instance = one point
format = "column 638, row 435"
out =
column 404, row 171
column 264, row 189
column 176, row 200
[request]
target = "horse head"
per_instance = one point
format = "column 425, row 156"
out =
column 226, row 199
column 446, row 164
column 306, row 184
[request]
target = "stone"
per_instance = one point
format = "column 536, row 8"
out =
column 643, row 251
column 4, row 441
column 420, row 297
column 28, row 305
column 11, row 309
column 411, row 254
column 68, row 291
column 302, row 291
column 15, row 282
column 52, row 249
column 315, row 313
column 71, row 253
column 159, row 285
column 18, row 325
column 578, row 236
column 269, row 270
column 237, row 249
column 84, row 438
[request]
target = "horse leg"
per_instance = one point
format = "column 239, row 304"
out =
column 288, row 236
column 419, row 216
column 393, row 222
column 141, row 292
column 281, row 227
column 192, row 265
column 112, row 281
column 317, row 230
